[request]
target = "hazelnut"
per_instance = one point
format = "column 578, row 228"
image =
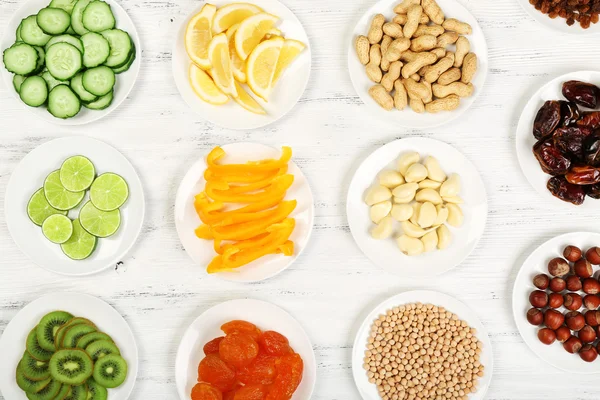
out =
column 558, row 267
column 555, row 300
column 557, row 285
column 538, row 299
column 597, row 329
column 590, row 286
column 574, row 320
column 535, row 316
column 546, row 336
column 541, row 281
column 587, row 334
column 553, row 319
column 593, row 255
column 573, row 283
column 592, row 318
column 588, row 353
column 572, row 253
column 591, row 301
column 573, row 301
column 583, row 268
column 573, row 345
column 563, row 334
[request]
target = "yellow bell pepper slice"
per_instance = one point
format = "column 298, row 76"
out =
column 203, row 232
column 213, row 217
column 211, row 175
column 277, row 188
column 218, row 153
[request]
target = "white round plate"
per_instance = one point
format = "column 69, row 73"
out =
column 385, row 253
column 408, row 118
column 525, row 140
column 265, row 316
column 125, row 80
column 29, row 176
column 557, row 24
column 202, row 251
column 537, row 263
column 286, row 93
column 12, row 342
column 367, row 390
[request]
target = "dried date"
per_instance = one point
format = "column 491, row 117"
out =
column 551, row 160
column 569, row 113
column 583, row 175
column 560, row 188
column 583, row 93
column 590, row 120
column 593, row 191
column 570, row 141
column 547, row 119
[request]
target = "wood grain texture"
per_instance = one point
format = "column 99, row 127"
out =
column 160, row 291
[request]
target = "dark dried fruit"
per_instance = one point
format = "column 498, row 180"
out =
column 591, row 149
column 590, row 120
column 583, row 93
column 569, row 113
column 583, row 175
column 551, row 160
column 593, row 191
column 547, row 119
column 560, row 188
column 570, row 140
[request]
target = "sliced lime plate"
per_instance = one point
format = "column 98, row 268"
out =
column 81, row 245
column 109, row 192
column 77, row 173
column 58, row 196
column 57, row 228
column 38, row 208
column 99, row 223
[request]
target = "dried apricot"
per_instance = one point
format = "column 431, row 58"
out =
column 251, row 392
column 238, row 349
column 261, row 371
column 274, row 343
column 214, row 371
column 205, row 391
column 229, row 395
column 289, row 376
column 241, row 327
column 212, row 347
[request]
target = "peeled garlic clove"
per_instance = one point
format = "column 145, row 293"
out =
column 429, row 184
column 453, row 199
column 430, row 241
column 427, row 215
column 383, row 229
column 407, row 160
column 429, row 195
column 380, row 210
column 390, row 179
column 415, row 216
column 442, row 214
column 410, row 246
column 402, row 212
column 403, row 200
column 451, row 187
column 413, row 230
column 434, row 171
column 415, row 173
column 405, row 191
column 455, row 215
column 444, row 237
column 377, row 194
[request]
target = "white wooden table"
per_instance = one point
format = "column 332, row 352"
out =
column 332, row 286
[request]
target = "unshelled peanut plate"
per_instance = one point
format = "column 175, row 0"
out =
column 368, row 391
column 557, row 24
column 285, row 94
column 386, row 253
column 407, row 117
column 537, row 263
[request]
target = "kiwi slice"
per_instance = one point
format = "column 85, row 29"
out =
column 33, row 369
column 49, row 392
column 110, row 371
column 58, row 337
column 34, row 348
column 74, row 333
column 71, row 367
column 48, row 326
column 78, row 393
column 65, row 390
column 101, row 348
column 95, row 391
column 27, row 385
column 90, row 338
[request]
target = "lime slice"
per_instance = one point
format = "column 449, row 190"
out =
column 81, row 245
column 108, row 192
column 97, row 222
column 57, row 228
column 59, row 197
column 38, row 208
column 77, row 173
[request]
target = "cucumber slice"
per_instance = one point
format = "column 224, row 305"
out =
column 99, row 223
column 18, row 81
column 120, row 47
column 99, row 81
column 56, row 194
column 63, row 60
column 38, row 208
column 66, row 39
column 41, row 60
column 77, row 16
column 66, row 5
column 127, row 65
column 57, row 228
column 96, row 49
column 81, row 245
column 63, row 103
column 53, row 21
column 34, row 91
column 100, row 104
column 109, row 192
column 80, row 91
column 20, row 59
column 98, row 17
column 31, row 33
column 18, row 33
column 51, row 81
column 77, row 173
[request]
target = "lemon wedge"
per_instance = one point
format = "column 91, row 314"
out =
column 272, row 33
column 251, row 31
column 198, row 35
column 247, row 101
column 221, row 71
column 237, row 64
column 233, row 14
column 290, row 50
column 205, row 87
column 260, row 66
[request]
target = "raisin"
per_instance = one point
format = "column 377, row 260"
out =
column 547, row 119
column 214, row 371
column 238, row 349
column 205, row 391
column 212, row 347
column 560, row 188
column 582, row 93
column 275, row 343
column 551, row 160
